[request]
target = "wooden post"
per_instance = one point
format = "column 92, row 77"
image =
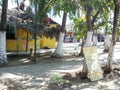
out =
column 31, row 54
column 17, row 40
column 27, row 43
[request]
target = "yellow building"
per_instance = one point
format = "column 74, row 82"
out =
column 48, row 42
column 20, row 30
column 22, row 40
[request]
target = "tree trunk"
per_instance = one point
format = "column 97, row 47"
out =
column 3, row 56
column 95, row 40
column 4, row 16
column 80, row 41
column 83, row 43
column 88, row 39
column 115, row 26
column 59, row 49
column 109, row 60
column 89, row 27
column 107, row 43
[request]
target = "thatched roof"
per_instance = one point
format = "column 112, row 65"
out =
column 26, row 20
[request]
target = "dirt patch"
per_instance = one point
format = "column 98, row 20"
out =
column 18, row 60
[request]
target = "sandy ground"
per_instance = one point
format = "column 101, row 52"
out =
column 31, row 76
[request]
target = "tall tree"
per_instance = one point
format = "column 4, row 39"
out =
column 109, row 19
column 92, row 9
column 3, row 56
column 59, row 50
column 56, row 7
column 114, row 31
column 68, row 7
column 89, row 25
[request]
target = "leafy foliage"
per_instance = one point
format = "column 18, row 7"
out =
column 80, row 27
column 52, row 32
column 57, row 79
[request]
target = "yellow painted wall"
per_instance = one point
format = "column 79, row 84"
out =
column 22, row 34
column 21, row 44
column 11, row 45
column 53, row 25
column 47, row 42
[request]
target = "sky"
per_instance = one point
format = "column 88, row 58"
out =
column 55, row 18
column 13, row 4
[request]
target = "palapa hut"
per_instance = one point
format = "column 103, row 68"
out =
column 21, row 28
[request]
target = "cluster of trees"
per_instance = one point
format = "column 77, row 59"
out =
column 97, row 13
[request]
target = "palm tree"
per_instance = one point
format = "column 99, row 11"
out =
column 3, row 56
